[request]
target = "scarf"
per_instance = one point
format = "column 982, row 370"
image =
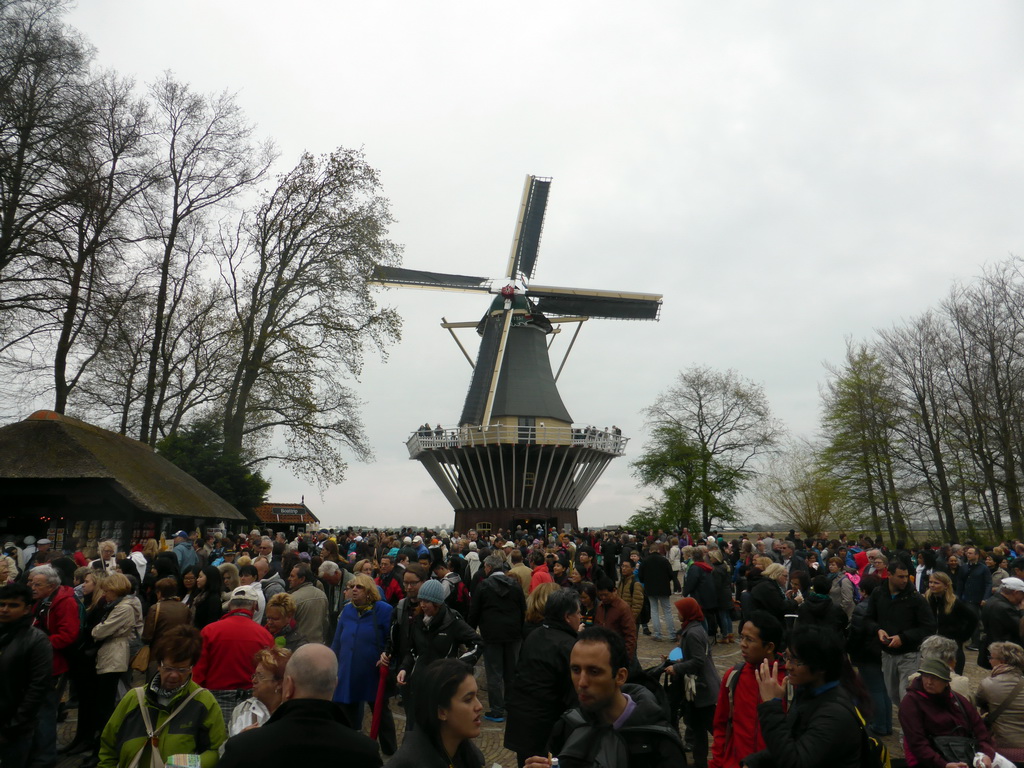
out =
column 689, row 611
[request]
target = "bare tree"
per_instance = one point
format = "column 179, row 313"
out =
column 210, row 157
column 802, row 493
column 725, row 418
column 45, row 116
column 296, row 272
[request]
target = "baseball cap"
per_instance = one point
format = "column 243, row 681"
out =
column 44, row 541
column 181, row 534
column 246, row 592
column 1013, row 584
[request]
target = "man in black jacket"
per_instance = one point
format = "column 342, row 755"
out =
column 306, row 723
column 498, row 611
column 616, row 725
column 901, row 618
column 26, row 661
column 1001, row 617
column 656, row 576
column 543, row 689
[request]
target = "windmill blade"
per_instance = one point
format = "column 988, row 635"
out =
column 616, row 305
column 397, row 277
column 526, row 241
column 500, row 358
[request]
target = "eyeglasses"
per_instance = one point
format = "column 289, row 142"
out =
column 258, row 678
column 793, row 661
column 176, row 670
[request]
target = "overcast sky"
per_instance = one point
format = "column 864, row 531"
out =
column 787, row 174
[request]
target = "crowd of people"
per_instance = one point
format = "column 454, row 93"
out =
column 238, row 650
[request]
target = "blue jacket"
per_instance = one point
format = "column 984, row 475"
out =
column 358, row 643
column 974, row 583
column 186, row 555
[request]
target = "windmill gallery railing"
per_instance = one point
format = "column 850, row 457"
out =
column 465, row 437
column 516, row 469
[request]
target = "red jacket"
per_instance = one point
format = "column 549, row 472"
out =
column 541, row 575
column 61, row 624
column 228, row 647
column 728, row 750
column 393, row 592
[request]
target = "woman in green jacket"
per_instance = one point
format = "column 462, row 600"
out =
column 170, row 698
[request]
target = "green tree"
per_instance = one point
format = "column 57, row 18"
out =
column 199, row 450
column 860, row 413
column 696, row 489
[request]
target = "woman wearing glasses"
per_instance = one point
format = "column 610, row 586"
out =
column 266, row 690
column 821, row 714
column 182, row 716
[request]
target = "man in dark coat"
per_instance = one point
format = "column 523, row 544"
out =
column 656, row 576
column 973, row 585
column 899, row 615
column 1001, row 617
column 26, row 660
column 306, row 723
column 498, row 611
column 542, row 689
column 615, row 724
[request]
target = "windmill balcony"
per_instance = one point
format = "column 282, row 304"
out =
column 499, row 434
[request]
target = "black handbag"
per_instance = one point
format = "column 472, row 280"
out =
column 956, row 749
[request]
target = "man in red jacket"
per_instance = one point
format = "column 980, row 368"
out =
column 226, row 666
column 56, row 614
column 736, row 729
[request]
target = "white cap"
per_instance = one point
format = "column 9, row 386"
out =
column 245, row 592
column 1013, row 584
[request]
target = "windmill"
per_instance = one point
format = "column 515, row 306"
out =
column 516, row 456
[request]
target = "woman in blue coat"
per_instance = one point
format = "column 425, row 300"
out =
column 359, row 640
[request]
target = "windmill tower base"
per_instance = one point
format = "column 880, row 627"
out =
column 510, row 475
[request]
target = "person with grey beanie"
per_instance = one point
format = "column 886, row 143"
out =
column 437, row 633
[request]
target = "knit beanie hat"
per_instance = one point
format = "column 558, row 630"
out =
column 432, row 591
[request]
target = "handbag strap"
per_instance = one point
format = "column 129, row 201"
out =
column 153, row 735
column 1004, row 703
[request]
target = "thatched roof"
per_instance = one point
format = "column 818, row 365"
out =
column 48, row 445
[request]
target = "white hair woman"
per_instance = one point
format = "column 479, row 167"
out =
column 1001, row 699
column 107, row 561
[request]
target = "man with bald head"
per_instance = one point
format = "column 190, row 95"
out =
column 307, row 722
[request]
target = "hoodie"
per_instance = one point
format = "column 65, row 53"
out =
column 498, row 609
column 819, row 610
column 272, row 585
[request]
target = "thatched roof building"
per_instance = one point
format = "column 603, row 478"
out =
column 56, row 472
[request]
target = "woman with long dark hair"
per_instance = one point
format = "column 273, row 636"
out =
column 447, row 716
column 206, row 607
column 821, row 714
column 189, row 585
